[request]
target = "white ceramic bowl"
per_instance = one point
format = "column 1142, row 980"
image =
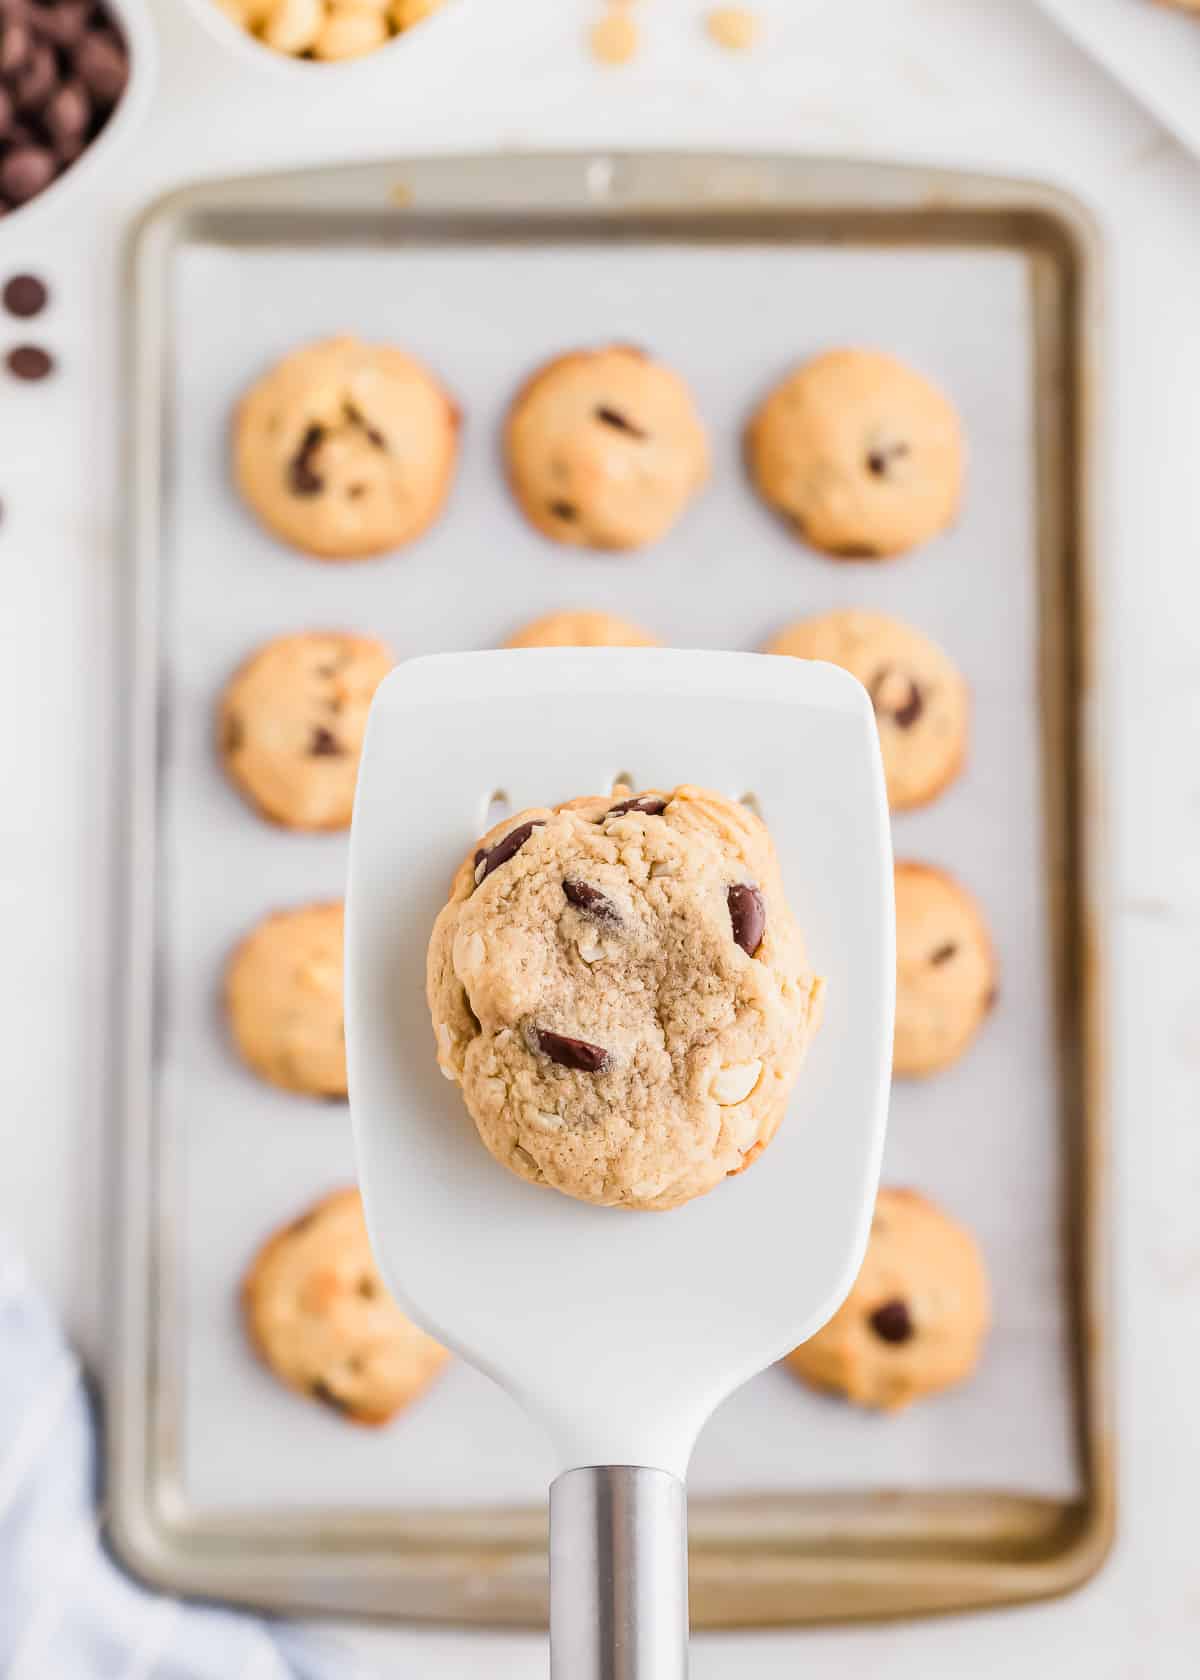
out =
column 249, row 50
column 136, row 26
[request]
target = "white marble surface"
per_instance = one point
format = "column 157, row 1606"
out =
column 957, row 81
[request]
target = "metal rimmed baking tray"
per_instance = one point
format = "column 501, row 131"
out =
column 731, row 268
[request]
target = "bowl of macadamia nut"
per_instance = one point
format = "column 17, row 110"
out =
column 310, row 35
column 75, row 79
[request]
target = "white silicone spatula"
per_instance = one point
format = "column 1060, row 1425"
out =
column 620, row 1331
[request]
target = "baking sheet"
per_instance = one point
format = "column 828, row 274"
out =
column 984, row 1138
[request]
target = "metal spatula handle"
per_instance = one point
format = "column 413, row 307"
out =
column 618, row 1575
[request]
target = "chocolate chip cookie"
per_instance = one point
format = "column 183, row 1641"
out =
column 318, row 1315
column 945, row 969
column 921, row 700
column 605, row 448
column 915, row 1321
column 283, row 993
column 291, row 723
column 581, row 628
column 346, row 449
column 620, row 990
column 859, row 453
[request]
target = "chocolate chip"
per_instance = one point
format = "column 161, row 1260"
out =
column 61, row 21
column 619, row 422
column 648, row 806
column 854, row 551
column 355, row 492
column 590, row 901
column 16, row 43
column 25, row 295
column 572, row 1052
column 67, row 114
column 235, row 733
column 103, row 65
column 301, row 1224
column 879, row 460
column 324, row 744
column 488, row 860
column 322, row 1392
column 302, row 479
column 564, row 510
column 34, row 82
column 910, row 708
column 747, row 916
column 29, row 361
column 25, row 172
column 6, row 114
column 368, row 1288
column 892, row 1322
column 944, row 953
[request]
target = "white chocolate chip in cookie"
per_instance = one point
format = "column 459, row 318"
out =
column 469, row 954
column 732, row 1085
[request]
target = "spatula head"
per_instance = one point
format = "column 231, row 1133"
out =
column 620, row 1330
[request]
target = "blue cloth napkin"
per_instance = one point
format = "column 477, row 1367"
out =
column 67, row 1610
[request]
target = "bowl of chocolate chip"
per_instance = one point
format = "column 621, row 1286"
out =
column 75, row 77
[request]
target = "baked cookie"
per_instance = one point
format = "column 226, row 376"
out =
column 291, row 722
column 345, row 449
column 621, row 992
column 581, row 628
column 605, row 448
column 915, row 1321
column 859, row 453
column 319, row 1316
column 945, row 969
column 283, row 993
column 920, row 697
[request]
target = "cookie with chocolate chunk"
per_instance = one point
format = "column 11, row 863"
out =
column 621, row 992
column 283, row 996
column 946, row 970
column 916, row 1319
column 605, row 448
column 859, row 453
column 921, row 699
column 345, row 449
column 318, row 1315
column 291, row 722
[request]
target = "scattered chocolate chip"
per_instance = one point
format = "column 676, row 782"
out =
column 355, row 492
column 747, row 916
column 508, row 847
column 355, row 417
column 909, row 709
column 879, row 460
column 302, row 478
column 102, row 63
column 322, row 1392
column 590, row 901
column 892, row 1322
column 6, row 113
column 30, row 361
column 301, row 1224
column 564, row 510
column 619, row 422
column 991, row 997
column 24, row 296
column 944, row 953
column 649, row 807
column 376, row 437
column 572, row 1052
column 325, row 744
column 25, row 172
column 854, row 551
column 368, row 1288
